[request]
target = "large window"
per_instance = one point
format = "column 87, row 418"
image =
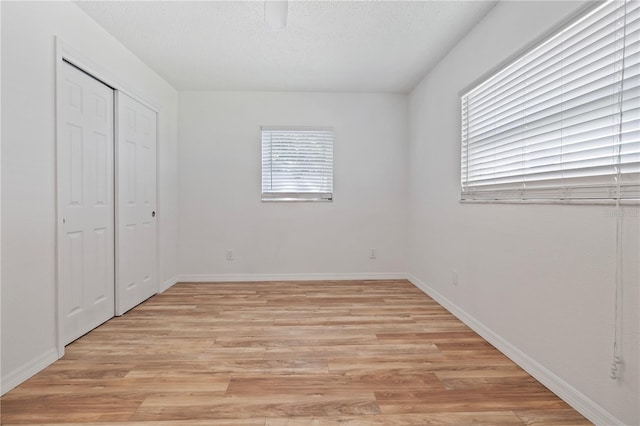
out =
column 297, row 164
column 563, row 120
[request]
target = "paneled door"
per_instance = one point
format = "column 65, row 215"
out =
column 136, row 278
column 85, row 202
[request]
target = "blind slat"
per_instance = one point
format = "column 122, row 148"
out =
column 297, row 164
column 565, row 115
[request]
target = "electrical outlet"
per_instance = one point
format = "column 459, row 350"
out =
column 229, row 253
column 454, row 277
column 373, row 253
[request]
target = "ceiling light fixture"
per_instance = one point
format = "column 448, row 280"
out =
column 275, row 15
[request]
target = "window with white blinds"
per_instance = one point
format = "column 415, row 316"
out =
column 297, row 164
column 563, row 120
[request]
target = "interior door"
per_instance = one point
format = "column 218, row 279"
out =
column 136, row 203
column 86, row 202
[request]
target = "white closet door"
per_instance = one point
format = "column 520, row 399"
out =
column 136, row 203
column 86, row 202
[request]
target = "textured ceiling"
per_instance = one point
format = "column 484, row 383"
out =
column 353, row 46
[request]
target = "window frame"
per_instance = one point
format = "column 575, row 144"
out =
column 540, row 196
column 316, row 197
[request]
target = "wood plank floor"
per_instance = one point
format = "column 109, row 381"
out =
column 285, row 353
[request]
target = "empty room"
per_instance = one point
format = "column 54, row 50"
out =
column 320, row 212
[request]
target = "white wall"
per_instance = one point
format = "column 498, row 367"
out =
column 219, row 188
column 28, row 168
column 538, row 278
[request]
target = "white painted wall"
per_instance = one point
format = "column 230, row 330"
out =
column 219, row 187
column 540, row 277
column 28, row 168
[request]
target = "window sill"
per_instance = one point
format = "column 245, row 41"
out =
column 595, row 202
column 296, row 200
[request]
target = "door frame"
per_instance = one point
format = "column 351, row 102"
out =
column 66, row 53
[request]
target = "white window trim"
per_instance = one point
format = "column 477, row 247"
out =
column 298, row 197
column 562, row 195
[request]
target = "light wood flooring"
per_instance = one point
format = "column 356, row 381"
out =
column 285, row 353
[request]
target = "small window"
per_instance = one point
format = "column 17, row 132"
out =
column 297, row 164
column 563, row 120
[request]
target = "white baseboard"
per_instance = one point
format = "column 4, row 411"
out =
column 581, row 403
column 292, row 277
column 29, row 369
column 167, row 284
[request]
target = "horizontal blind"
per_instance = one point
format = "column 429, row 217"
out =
column 563, row 120
column 297, row 164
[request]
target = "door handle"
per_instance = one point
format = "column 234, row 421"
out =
column 153, row 214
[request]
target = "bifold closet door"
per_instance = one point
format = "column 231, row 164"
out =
column 136, row 203
column 86, row 202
